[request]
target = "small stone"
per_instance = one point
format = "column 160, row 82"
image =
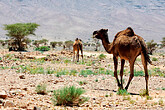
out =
column 22, row 77
column 3, row 94
column 1, row 101
column 8, row 104
column 36, row 108
column 104, row 105
column 25, row 88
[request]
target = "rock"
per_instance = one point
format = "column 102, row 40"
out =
column 36, row 108
column 8, row 104
column 22, row 77
column 25, row 89
column 1, row 101
column 3, row 94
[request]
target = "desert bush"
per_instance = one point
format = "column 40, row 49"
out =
column 69, row 96
column 157, row 71
column 82, row 82
column 86, row 72
column 96, row 80
column 122, row 92
column 149, row 98
column 161, row 102
column 163, row 42
column 154, row 59
column 0, row 58
column 126, row 98
column 41, row 89
column 42, row 48
column 67, row 61
column 62, row 72
column 132, row 101
column 142, row 92
column 73, row 72
column 163, row 88
column 102, row 56
column 151, row 46
column 49, row 71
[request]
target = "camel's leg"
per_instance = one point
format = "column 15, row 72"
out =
column 77, row 55
column 131, row 72
column 73, row 55
column 81, row 53
column 121, row 72
column 115, row 70
column 144, row 62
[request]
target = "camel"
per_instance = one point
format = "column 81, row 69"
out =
column 77, row 46
column 128, row 46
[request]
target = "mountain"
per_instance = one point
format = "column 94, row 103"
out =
column 67, row 19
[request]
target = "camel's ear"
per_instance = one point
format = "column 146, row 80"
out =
column 106, row 30
column 94, row 32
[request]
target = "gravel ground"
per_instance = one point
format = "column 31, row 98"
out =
column 101, row 89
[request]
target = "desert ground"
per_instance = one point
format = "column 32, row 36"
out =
column 21, row 72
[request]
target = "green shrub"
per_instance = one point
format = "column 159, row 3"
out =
column 161, row 102
column 62, row 72
column 154, row 59
column 163, row 88
column 142, row 92
column 43, row 48
column 96, row 80
column 48, row 71
column 69, row 96
column 41, row 89
column 82, row 82
column 73, row 72
column 138, row 73
column 87, row 72
column 0, row 58
column 126, row 98
column 122, row 92
column 67, row 61
column 102, row 56
column 149, row 98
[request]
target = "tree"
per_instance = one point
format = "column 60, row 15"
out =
column 36, row 43
column 163, row 42
column 68, row 44
column 43, row 41
column 53, row 44
column 151, row 45
column 59, row 44
column 97, row 44
column 19, row 31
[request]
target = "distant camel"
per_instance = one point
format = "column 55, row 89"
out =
column 77, row 46
column 128, row 46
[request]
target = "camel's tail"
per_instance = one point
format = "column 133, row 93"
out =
column 145, row 52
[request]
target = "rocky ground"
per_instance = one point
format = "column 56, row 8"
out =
column 19, row 78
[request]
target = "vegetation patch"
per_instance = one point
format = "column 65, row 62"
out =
column 122, row 92
column 86, row 72
column 69, row 96
column 142, row 92
column 41, row 89
column 42, row 48
column 82, row 82
column 154, row 59
column 102, row 56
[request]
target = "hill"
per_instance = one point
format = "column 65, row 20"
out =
column 68, row 19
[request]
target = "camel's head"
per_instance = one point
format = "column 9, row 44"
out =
column 100, row 33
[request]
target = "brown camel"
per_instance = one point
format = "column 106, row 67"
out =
column 128, row 46
column 77, row 46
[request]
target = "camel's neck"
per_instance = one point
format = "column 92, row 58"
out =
column 107, row 45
